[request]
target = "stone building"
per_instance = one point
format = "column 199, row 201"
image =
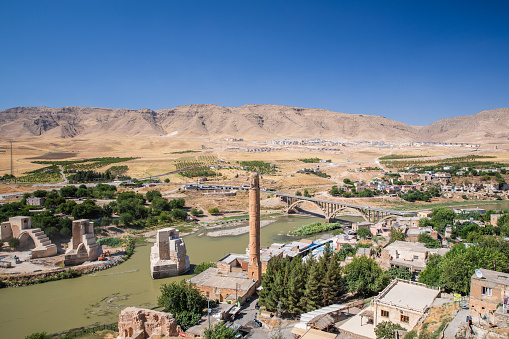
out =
column 82, row 246
column 403, row 302
column 139, row 323
column 35, row 201
column 413, row 256
column 489, row 289
column 168, row 256
column 33, row 239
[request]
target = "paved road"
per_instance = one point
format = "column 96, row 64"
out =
column 454, row 325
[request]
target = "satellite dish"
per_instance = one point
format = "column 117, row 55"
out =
column 478, row 273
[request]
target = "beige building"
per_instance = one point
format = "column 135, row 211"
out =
column 489, row 289
column 413, row 256
column 139, row 323
column 403, row 302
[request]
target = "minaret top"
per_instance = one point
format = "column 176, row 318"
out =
column 254, row 180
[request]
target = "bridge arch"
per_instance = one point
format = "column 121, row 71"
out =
column 26, row 241
column 294, row 204
column 358, row 212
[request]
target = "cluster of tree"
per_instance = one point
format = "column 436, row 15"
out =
column 184, row 301
column 315, row 172
column 220, row 331
column 313, row 160
column 91, row 176
column 202, row 171
column 306, row 193
column 315, row 227
column 439, row 219
column 416, row 195
column 258, row 166
column 303, row 286
column 203, row 266
column 337, row 192
column 453, row 271
column 428, row 241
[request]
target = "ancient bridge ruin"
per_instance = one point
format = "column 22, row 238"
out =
column 331, row 208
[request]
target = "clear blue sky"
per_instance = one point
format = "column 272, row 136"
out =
column 412, row 61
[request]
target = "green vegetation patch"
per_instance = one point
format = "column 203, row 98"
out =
column 112, row 242
column 315, row 227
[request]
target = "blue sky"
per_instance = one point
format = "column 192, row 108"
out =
column 412, row 61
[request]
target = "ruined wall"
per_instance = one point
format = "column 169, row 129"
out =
column 139, row 323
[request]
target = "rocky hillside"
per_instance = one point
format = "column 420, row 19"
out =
column 483, row 126
column 251, row 122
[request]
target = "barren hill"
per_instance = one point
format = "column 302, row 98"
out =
column 483, row 126
column 251, row 122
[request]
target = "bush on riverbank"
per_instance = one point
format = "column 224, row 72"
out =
column 112, row 242
column 315, row 227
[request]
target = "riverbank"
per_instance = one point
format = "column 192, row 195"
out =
column 236, row 231
column 29, row 274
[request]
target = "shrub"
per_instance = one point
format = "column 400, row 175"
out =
column 13, row 243
column 213, row 210
column 113, row 242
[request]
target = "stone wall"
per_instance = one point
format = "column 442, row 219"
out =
column 139, row 323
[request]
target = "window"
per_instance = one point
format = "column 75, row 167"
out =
column 486, row 291
column 384, row 313
column 404, row 319
column 416, row 257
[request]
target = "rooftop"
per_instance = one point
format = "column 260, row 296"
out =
column 232, row 280
column 493, row 276
column 408, row 295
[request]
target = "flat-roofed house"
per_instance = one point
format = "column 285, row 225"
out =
column 489, row 289
column 413, row 256
column 403, row 302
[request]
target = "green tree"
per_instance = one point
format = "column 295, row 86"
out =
column 364, row 276
column 334, row 191
column 396, row 235
column 150, row 195
column 13, row 243
column 386, row 329
column 126, row 219
column 220, row 331
column 298, row 193
column 68, row 191
column 296, row 286
column 182, row 298
column 399, row 272
column 460, row 263
column 203, row 266
column 433, row 272
column 428, row 241
column 40, row 193
column 213, row 210
column 363, row 232
column 166, row 180
column 313, row 293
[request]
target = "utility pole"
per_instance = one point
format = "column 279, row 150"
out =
column 279, row 335
column 12, row 172
column 208, row 307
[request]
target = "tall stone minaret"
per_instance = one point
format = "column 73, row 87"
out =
column 254, row 270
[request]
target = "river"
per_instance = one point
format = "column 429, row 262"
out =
column 98, row 298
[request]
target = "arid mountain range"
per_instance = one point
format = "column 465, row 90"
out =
column 251, row 122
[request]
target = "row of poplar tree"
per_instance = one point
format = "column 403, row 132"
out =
column 301, row 286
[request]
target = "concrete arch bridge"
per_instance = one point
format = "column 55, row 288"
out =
column 331, row 208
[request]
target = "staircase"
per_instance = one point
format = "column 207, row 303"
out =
column 43, row 246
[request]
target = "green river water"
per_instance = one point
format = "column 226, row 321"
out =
column 98, row 298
